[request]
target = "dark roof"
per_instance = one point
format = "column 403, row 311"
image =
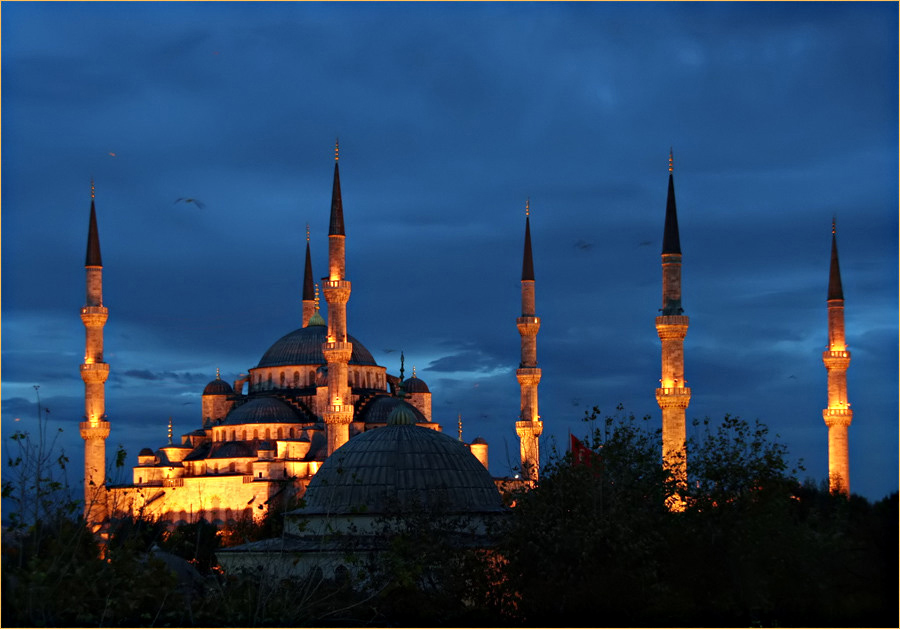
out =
column 399, row 468
column 146, row 452
column 93, row 244
column 835, row 290
column 309, row 290
column 671, row 241
column 200, row 452
column 232, row 449
column 415, row 385
column 304, row 347
column 336, row 225
column 218, row 387
column 263, row 410
column 379, row 409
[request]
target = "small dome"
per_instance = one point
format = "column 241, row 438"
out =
column 402, row 415
column 478, row 441
column 398, row 468
column 415, row 385
column 263, row 410
column 379, row 409
column 146, row 452
column 218, row 387
column 304, row 347
column 316, row 320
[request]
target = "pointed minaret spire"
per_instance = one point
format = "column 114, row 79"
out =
column 336, row 224
column 527, row 260
column 672, row 395
column 170, row 430
column 93, row 257
column 94, row 372
column 836, row 357
column 529, row 426
column 459, row 424
column 835, row 290
column 309, row 307
column 671, row 241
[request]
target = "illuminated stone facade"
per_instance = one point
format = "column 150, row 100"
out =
column 261, row 439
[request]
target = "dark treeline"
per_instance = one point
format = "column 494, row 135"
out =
column 594, row 543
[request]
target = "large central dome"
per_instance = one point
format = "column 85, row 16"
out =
column 304, row 347
column 400, row 467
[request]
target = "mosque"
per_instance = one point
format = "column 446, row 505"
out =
column 317, row 401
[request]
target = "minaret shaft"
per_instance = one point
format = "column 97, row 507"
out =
column 673, row 395
column 94, row 372
column 337, row 350
column 529, row 426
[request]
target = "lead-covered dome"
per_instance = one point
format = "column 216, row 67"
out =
column 218, row 387
column 304, row 347
column 415, row 385
column 263, row 410
column 401, row 468
column 378, row 409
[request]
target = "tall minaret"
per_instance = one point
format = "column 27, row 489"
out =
column 309, row 296
column 672, row 396
column 337, row 349
column 95, row 428
column 836, row 358
column 529, row 426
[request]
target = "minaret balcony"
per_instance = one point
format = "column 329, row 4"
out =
column 528, row 326
column 94, row 430
column 95, row 373
column 94, row 316
column 336, row 291
column 529, row 428
column 337, row 351
column 673, row 397
column 837, row 416
column 836, row 360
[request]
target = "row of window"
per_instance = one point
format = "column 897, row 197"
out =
column 225, row 434
column 358, row 379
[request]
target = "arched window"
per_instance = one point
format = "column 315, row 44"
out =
column 291, row 432
column 312, row 377
column 296, row 378
column 231, row 466
column 244, row 435
column 278, row 434
column 267, row 434
column 255, row 433
column 269, row 380
column 282, row 380
column 232, row 435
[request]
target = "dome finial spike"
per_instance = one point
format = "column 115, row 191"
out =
column 170, row 430
column 218, row 376
column 671, row 160
column 414, row 371
column 336, row 146
column 317, row 297
column 402, row 359
column 459, row 424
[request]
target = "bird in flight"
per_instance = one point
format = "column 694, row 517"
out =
column 200, row 204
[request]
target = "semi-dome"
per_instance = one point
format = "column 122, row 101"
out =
column 415, row 385
column 218, row 387
column 263, row 410
column 304, row 347
column 379, row 409
column 400, row 468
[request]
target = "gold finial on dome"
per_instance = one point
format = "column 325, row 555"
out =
column 459, row 424
column 170, row 430
column 414, row 371
column 218, row 377
column 671, row 160
column 317, row 296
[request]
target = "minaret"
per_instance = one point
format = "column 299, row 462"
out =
column 309, row 297
column 94, row 372
column 673, row 396
column 337, row 349
column 836, row 358
column 529, row 426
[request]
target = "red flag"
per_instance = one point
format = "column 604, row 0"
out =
column 581, row 454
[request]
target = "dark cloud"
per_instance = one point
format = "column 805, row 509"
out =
column 450, row 115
